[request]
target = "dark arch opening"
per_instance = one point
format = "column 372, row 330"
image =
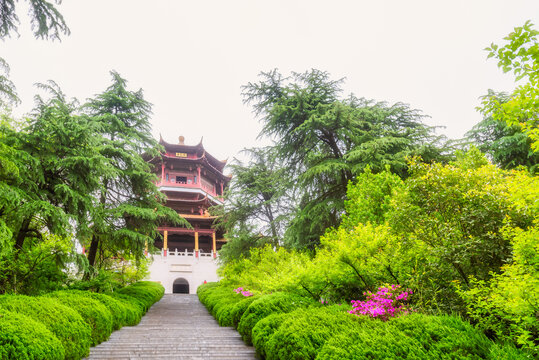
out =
column 180, row 286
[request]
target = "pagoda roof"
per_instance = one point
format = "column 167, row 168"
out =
column 197, row 149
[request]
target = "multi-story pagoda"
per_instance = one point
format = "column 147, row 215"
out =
column 192, row 181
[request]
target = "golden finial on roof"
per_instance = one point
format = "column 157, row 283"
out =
column 181, row 140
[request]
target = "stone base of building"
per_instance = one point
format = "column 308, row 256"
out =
column 183, row 271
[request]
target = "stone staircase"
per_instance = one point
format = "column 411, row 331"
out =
column 177, row 327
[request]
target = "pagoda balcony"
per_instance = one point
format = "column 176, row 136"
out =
column 201, row 187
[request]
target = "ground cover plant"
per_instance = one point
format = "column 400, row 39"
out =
column 65, row 324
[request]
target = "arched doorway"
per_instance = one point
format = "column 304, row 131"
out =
column 180, row 286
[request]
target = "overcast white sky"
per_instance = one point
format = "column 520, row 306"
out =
column 192, row 57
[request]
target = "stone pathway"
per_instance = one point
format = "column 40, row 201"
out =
column 176, row 327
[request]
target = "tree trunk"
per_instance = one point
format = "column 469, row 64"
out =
column 92, row 252
column 21, row 236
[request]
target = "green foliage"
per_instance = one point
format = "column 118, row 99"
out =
column 46, row 20
column 453, row 218
column 358, row 260
column 303, row 332
column 324, row 141
column 65, row 323
column 268, row 270
column 23, row 338
column 506, row 306
column 128, row 206
column 264, row 329
column 505, row 144
column 134, row 309
column 520, row 55
column 257, row 199
column 145, row 292
column 93, row 312
column 413, row 336
column 7, row 88
column 265, row 306
column 238, row 309
column 117, row 309
column 368, row 198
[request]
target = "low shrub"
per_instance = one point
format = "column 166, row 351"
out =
column 205, row 289
column 303, row 332
column 373, row 340
column 146, row 292
column 219, row 296
column 96, row 315
column 117, row 308
column 442, row 335
column 65, row 323
column 507, row 352
column 238, row 309
column 24, row 338
column 414, row 336
column 264, row 329
column 266, row 305
column 134, row 308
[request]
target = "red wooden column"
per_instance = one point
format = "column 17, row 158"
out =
column 214, row 245
column 165, row 242
column 196, row 243
column 162, row 173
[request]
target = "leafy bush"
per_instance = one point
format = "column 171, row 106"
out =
column 442, row 335
column 147, row 292
column 96, row 315
column 65, row 323
column 23, row 338
column 238, row 309
column 264, row 329
column 266, row 305
column 303, row 332
column 117, row 308
column 415, row 337
column 134, row 308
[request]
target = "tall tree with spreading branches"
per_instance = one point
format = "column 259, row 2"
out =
column 324, row 140
column 129, row 206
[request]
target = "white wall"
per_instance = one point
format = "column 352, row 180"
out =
column 195, row 270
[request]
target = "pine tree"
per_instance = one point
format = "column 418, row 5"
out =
column 129, row 205
column 325, row 141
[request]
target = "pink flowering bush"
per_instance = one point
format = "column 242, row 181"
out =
column 243, row 292
column 385, row 303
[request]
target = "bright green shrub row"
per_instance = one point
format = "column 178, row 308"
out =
column 415, row 336
column 287, row 326
column 64, row 324
column 96, row 315
column 146, row 292
column 267, row 305
column 21, row 337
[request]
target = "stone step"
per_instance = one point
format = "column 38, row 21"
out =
column 177, row 327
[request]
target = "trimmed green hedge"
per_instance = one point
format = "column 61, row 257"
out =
column 146, row 292
column 116, row 307
column 96, row 315
column 135, row 308
column 414, row 336
column 264, row 330
column 266, row 305
column 287, row 326
column 303, row 332
column 65, row 323
column 23, row 338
